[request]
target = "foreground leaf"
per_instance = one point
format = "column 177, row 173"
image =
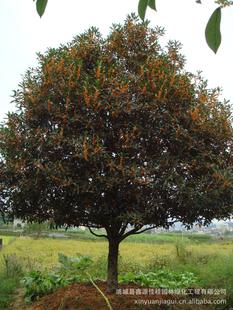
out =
column 41, row 6
column 142, row 6
column 212, row 31
column 152, row 5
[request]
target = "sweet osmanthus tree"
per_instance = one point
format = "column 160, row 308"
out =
column 113, row 133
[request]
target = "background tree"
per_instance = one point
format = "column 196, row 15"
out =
column 212, row 31
column 113, row 133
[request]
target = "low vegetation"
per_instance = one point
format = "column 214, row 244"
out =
column 163, row 260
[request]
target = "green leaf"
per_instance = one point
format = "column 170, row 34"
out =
column 212, row 31
column 142, row 6
column 152, row 5
column 41, row 6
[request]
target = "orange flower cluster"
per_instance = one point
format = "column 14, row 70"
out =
column 195, row 114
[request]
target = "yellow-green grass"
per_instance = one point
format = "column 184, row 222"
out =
column 6, row 239
column 43, row 253
column 218, row 248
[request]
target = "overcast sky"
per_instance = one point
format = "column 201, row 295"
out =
column 23, row 34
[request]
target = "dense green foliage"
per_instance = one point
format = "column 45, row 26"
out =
column 160, row 279
column 37, row 284
column 72, row 269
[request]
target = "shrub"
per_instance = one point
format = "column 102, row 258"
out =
column 38, row 283
column 81, row 262
column 161, row 279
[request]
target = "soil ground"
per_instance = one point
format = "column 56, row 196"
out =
column 86, row 297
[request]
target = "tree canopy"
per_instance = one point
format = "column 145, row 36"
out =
column 114, row 133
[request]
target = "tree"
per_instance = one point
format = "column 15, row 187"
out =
column 113, row 133
column 212, row 31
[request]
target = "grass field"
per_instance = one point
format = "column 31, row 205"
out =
column 210, row 260
column 145, row 248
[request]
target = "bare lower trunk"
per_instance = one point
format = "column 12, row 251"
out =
column 112, row 277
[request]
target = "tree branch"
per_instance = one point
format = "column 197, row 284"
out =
column 145, row 229
column 135, row 231
column 93, row 233
column 123, row 228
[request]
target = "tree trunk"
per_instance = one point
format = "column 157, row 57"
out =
column 112, row 278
